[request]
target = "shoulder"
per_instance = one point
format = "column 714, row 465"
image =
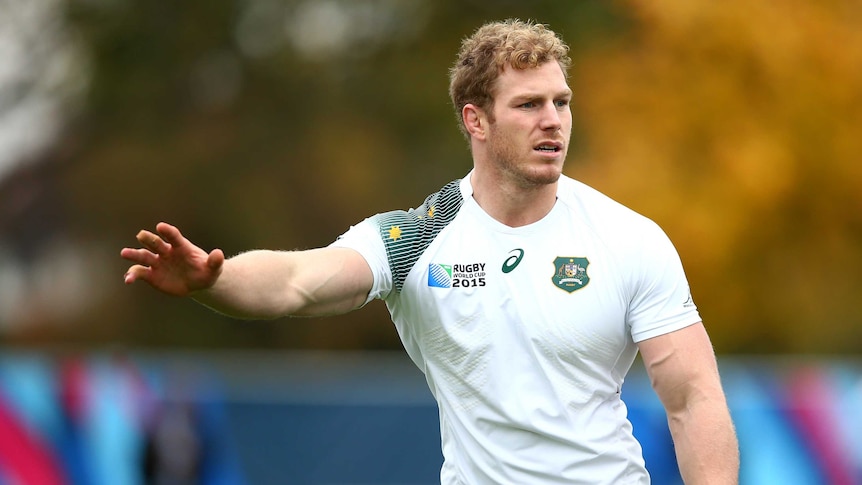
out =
column 438, row 209
column 603, row 214
column 407, row 233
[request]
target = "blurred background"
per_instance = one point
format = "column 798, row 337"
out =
column 278, row 124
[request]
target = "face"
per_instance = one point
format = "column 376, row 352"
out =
column 529, row 137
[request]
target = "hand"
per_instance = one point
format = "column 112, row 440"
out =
column 171, row 263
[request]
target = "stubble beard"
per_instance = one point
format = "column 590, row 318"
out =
column 514, row 167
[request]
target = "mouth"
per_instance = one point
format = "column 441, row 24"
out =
column 548, row 147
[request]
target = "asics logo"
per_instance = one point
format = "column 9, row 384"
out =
column 512, row 261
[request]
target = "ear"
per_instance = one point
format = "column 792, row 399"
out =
column 474, row 120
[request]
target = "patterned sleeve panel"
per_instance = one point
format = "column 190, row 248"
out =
column 406, row 234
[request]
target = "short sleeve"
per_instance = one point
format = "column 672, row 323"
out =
column 365, row 239
column 662, row 299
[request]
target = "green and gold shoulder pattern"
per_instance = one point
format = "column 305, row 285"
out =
column 406, row 234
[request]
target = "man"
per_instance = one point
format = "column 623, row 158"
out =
column 523, row 295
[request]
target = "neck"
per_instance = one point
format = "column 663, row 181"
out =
column 511, row 204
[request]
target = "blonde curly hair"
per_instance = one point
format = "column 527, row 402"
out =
column 483, row 55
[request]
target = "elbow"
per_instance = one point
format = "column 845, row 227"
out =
column 686, row 390
column 697, row 397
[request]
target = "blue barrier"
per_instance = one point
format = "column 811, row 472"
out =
column 318, row 418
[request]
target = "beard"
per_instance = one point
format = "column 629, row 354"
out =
column 515, row 165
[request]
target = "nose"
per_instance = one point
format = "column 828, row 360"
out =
column 551, row 120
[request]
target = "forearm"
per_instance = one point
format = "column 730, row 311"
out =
column 684, row 374
column 705, row 441
column 270, row 284
column 252, row 285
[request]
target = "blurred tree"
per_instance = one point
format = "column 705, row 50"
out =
column 43, row 77
column 263, row 123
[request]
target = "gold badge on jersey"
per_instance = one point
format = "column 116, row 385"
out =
column 570, row 273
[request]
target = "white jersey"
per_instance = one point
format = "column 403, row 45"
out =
column 525, row 334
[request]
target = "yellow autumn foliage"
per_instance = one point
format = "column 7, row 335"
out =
column 738, row 127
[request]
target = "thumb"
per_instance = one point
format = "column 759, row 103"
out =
column 215, row 259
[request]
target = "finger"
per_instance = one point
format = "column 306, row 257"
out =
column 151, row 241
column 170, row 234
column 139, row 256
column 136, row 272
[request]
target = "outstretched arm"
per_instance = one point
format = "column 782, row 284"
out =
column 684, row 374
column 256, row 284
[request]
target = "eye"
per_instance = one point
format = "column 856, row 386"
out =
column 562, row 103
column 528, row 104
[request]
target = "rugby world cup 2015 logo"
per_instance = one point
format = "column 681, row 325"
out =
column 459, row 275
column 440, row 275
column 570, row 274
